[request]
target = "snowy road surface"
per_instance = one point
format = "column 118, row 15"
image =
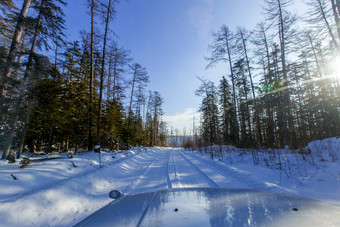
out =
column 63, row 197
column 171, row 168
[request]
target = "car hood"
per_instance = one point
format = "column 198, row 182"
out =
column 214, row 207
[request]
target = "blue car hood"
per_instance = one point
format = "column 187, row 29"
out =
column 214, row 207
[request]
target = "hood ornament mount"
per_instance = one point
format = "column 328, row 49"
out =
column 115, row 194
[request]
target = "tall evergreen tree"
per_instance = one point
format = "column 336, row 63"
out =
column 210, row 122
column 13, row 48
column 227, row 111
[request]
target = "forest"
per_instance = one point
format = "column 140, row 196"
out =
column 58, row 94
column 281, row 89
column 85, row 140
column 296, row 61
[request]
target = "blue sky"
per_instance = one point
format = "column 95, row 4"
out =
column 170, row 38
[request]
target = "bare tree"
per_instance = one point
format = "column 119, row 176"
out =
column 262, row 51
column 284, row 22
column 93, row 6
column 139, row 76
column 320, row 17
column 109, row 14
column 336, row 14
column 242, row 37
column 221, row 51
column 119, row 58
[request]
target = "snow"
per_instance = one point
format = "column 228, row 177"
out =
column 56, row 193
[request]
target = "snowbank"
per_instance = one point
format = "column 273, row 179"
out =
column 56, row 192
column 61, row 192
column 312, row 172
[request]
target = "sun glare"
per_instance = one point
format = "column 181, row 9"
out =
column 335, row 67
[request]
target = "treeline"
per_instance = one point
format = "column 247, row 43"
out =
column 90, row 92
column 297, row 97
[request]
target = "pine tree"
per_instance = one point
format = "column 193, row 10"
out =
column 49, row 21
column 13, row 49
column 5, row 8
column 243, row 88
column 210, row 122
column 227, row 114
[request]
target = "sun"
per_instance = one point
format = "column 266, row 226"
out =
column 334, row 67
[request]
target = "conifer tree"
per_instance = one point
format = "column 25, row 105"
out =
column 227, row 114
column 13, row 48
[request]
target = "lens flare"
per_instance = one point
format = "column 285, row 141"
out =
column 334, row 67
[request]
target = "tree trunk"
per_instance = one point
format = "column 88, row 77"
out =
column 336, row 17
column 10, row 137
column 90, row 144
column 13, row 49
column 34, row 42
column 56, row 55
column 315, row 56
column 102, row 73
column 115, row 74
column 108, row 95
column 236, row 130
column 257, row 119
column 132, row 90
column 300, row 117
column 28, row 67
column 24, row 131
column 327, row 24
column 284, row 73
column 338, row 6
column 270, row 131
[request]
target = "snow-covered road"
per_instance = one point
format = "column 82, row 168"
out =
column 55, row 193
column 170, row 168
column 47, row 195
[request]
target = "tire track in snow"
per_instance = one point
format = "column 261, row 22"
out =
column 241, row 175
column 175, row 181
column 167, row 171
column 245, row 179
column 139, row 177
column 229, row 172
column 155, row 176
column 200, row 171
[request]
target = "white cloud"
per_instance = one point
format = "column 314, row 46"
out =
column 201, row 17
column 182, row 120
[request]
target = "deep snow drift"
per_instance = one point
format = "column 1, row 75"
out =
column 56, row 193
